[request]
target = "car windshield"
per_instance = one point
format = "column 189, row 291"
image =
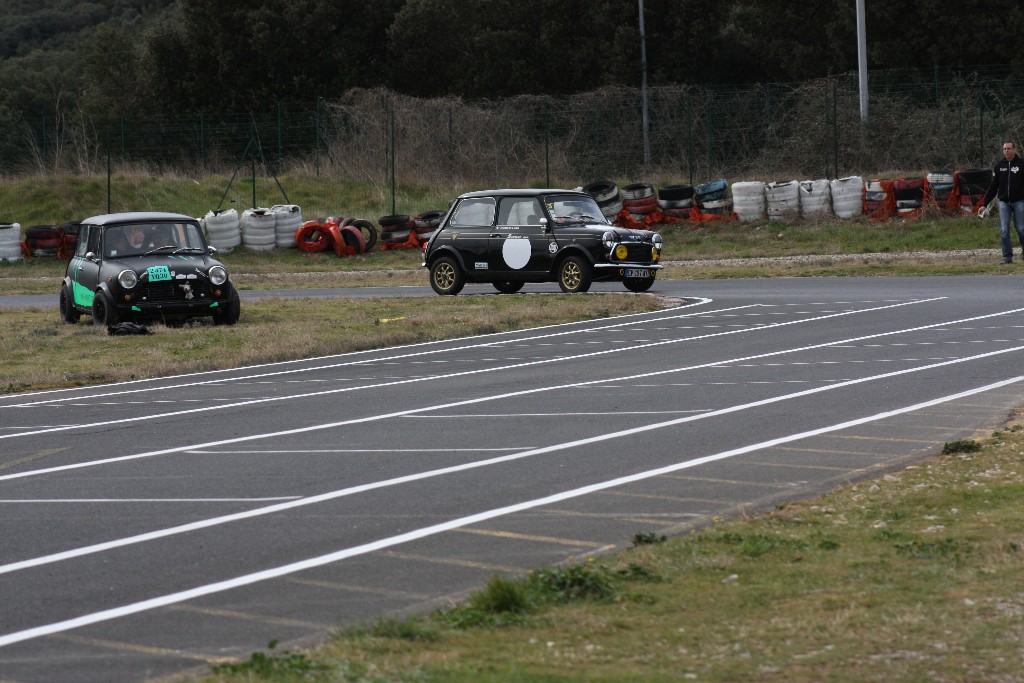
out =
column 573, row 209
column 135, row 239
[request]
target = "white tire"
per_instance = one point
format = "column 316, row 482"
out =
column 749, row 201
column 10, row 241
column 783, row 200
column 847, row 196
column 815, row 198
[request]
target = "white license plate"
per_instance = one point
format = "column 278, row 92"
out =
column 637, row 272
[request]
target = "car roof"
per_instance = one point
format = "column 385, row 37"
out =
column 135, row 217
column 520, row 192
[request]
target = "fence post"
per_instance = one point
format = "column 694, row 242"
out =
column 108, row 173
column 547, row 147
column 316, row 140
column 394, row 182
column 981, row 130
column 689, row 136
column 835, row 130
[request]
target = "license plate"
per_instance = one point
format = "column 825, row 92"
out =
column 637, row 272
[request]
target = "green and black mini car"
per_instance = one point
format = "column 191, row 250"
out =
column 146, row 266
column 511, row 237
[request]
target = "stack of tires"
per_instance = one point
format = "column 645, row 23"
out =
column 909, row 195
column 713, row 197
column 676, row 200
column 223, row 230
column 783, row 200
column 974, row 183
column 10, row 241
column 875, row 195
column 425, row 224
column 639, row 201
column 287, row 219
column 847, row 196
column 395, row 229
column 258, row 229
column 749, row 201
column 606, row 194
column 940, row 186
column 43, row 240
column 815, row 199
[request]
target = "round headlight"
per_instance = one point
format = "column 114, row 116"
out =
column 127, row 279
column 609, row 239
column 621, row 252
column 218, row 275
column 657, row 241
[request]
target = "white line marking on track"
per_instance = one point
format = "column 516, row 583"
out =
column 148, row 500
column 484, row 399
column 430, row 474
column 465, row 373
column 424, row 532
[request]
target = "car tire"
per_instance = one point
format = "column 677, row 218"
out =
column 508, row 286
column 67, row 307
column 446, row 277
column 231, row 311
column 103, row 311
column 574, row 275
column 638, row 284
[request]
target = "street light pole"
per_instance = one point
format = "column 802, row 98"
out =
column 862, row 61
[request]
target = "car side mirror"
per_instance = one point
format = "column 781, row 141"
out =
column 544, row 224
column 210, row 249
column 90, row 256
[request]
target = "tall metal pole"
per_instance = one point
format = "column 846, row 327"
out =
column 643, row 86
column 862, row 61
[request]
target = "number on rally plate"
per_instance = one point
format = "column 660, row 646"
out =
column 637, row 272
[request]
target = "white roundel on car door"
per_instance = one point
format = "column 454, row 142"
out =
column 516, row 252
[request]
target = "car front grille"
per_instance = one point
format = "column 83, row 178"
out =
column 174, row 290
column 638, row 253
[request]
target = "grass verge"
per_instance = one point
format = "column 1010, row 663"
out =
column 42, row 352
column 915, row 576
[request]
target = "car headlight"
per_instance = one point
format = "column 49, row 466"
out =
column 218, row 275
column 657, row 241
column 609, row 239
column 127, row 279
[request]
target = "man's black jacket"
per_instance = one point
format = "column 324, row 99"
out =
column 1008, row 181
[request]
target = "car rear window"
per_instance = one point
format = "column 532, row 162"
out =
column 475, row 211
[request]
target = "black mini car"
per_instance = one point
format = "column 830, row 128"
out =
column 511, row 237
column 146, row 266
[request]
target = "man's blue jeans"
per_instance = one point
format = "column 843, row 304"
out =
column 1006, row 210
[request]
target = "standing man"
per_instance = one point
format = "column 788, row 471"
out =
column 1008, row 185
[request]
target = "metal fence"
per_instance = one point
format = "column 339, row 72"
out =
column 389, row 143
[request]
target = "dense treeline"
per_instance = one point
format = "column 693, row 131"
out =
column 60, row 58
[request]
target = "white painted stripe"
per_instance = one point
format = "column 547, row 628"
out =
column 480, row 371
column 484, row 399
column 432, row 352
column 361, row 450
column 146, row 500
column 424, row 532
column 430, row 474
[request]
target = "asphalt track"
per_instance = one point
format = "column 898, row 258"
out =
column 152, row 527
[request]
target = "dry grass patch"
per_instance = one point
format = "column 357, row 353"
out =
column 44, row 353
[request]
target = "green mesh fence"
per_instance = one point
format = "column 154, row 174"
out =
column 376, row 152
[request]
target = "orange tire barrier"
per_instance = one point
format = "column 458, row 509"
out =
column 313, row 236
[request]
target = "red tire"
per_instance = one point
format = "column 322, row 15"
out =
column 312, row 237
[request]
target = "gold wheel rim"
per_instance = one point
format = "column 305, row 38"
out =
column 571, row 275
